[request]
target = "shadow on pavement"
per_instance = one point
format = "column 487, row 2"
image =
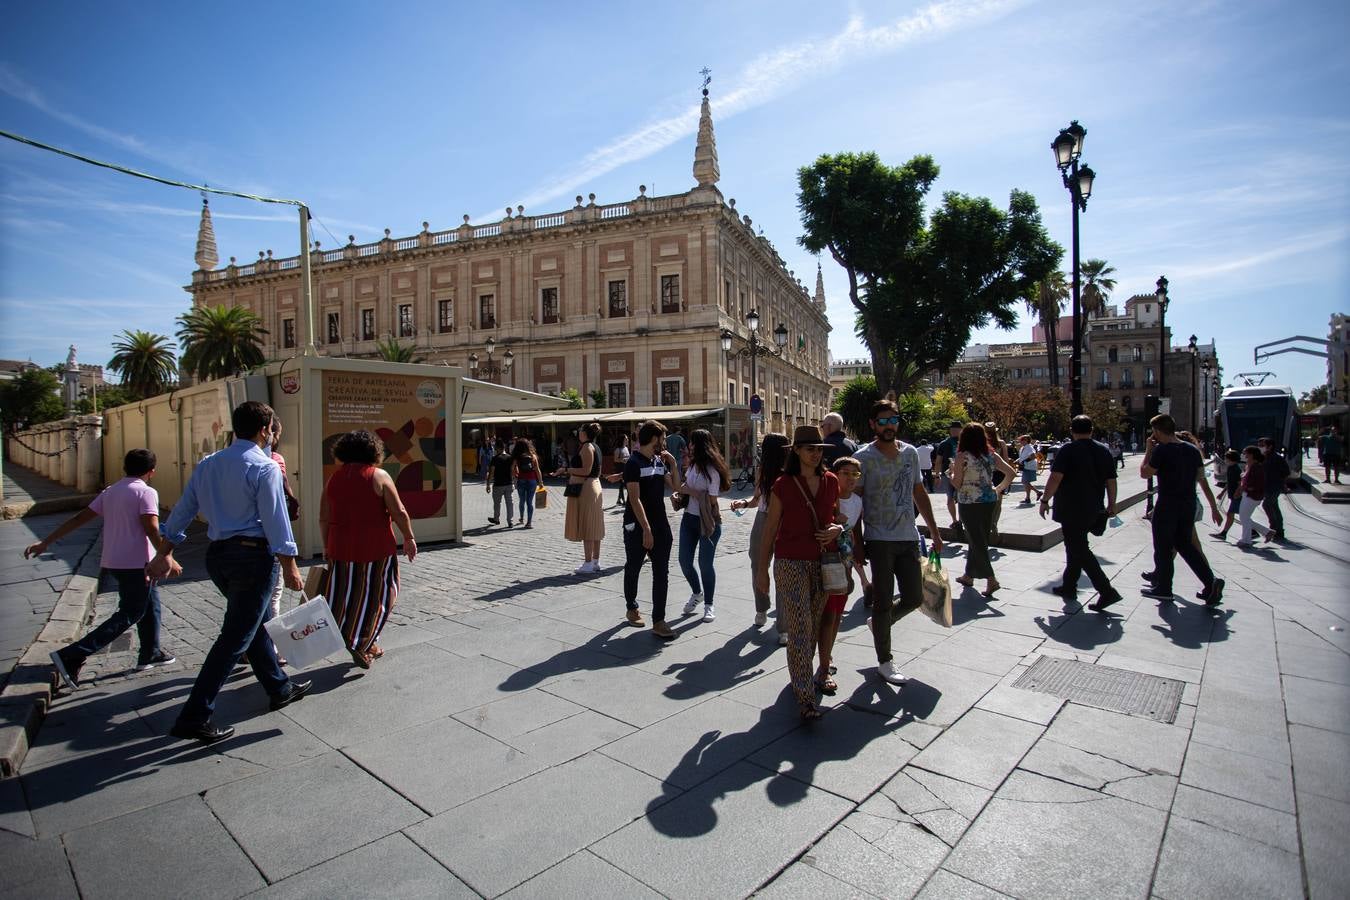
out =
column 1192, row 625
column 1082, row 632
column 720, row 670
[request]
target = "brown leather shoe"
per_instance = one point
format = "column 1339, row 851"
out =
column 664, row 632
column 635, row 618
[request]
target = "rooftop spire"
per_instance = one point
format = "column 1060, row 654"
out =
column 706, row 171
column 206, row 241
column 820, row 287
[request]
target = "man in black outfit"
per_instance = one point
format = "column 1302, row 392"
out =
column 650, row 470
column 1082, row 471
column 1277, row 472
column 1178, row 467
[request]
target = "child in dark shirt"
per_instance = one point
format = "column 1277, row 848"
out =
column 1232, row 489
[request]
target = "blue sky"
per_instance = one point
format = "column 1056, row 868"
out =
column 1218, row 132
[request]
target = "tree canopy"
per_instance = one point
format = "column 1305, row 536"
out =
column 30, row 399
column 145, row 362
column 219, row 341
column 920, row 285
column 390, row 350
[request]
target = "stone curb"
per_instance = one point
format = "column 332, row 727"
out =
column 28, row 696
column 24, row 508
column 1037, row 541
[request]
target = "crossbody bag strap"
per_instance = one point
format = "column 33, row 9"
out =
column 809, row 498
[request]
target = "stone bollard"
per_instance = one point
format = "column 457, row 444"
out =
column 89, row 474
column 68, row 457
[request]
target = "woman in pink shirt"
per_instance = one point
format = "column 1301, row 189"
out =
column 130, row 511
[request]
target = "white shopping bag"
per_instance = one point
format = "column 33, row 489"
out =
column 306, row 634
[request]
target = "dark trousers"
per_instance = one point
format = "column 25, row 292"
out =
column 1078, row 558
column 634, row 555
column 893, row 563
column 1173, row 524
column 245, row 576
column 979, row 521
column 137, row 604
column 1271, row 505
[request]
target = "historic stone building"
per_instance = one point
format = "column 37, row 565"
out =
column 628, row 298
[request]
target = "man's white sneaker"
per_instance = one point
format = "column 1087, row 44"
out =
column 693, row 603
column 760, row 619
column 890, row 674
column 709, row 614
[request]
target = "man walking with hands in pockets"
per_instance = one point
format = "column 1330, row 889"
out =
column 238, row 491
column 891, row 488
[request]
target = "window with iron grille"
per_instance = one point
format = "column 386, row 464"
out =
column 548, row 303
column 445, row 316
column 288, row 333
column 618, row 395
column 670, row 393
column 670, row 293
column 334, row 329
column 487, row 316
column 367, row 324
column 618, row 299
column 405, row 320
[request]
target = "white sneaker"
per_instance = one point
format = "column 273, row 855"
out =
column 782, row 638
column 760, row 619
column 594, row 567
column 694, row 602
column 583, row 569
column 709, row 614
column 890, row 674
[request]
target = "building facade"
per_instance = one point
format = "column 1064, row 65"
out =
column 842, row 371
column 628, row 299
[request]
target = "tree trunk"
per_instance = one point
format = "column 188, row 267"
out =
column 1052, row 351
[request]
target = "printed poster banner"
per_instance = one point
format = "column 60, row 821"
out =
column 407, row 413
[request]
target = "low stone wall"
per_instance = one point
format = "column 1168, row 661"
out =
column 68, row 451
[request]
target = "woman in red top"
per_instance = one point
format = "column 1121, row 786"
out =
column 359, row 503
column 1253, row 492
column 795, row 539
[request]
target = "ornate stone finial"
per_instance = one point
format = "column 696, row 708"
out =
column 466, row 218
column 269, row 252
column 206, row 241
column 261, row 255
column 231, row 260
column 592, row 196
column 642, row 190
column 351, row 239
column 520, row 210
column 732, row 203
column 508, row 212
column 579, row 199
column 386, row 232
column 820, row 287
column 426, row 226
column 706, row 171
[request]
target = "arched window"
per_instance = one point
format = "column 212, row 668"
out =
column 1126, row 378
column 1138, row 353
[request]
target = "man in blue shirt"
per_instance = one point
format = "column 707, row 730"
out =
column 239, row 492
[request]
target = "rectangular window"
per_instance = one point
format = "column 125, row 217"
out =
column 1148, row 378
column 617, row 394
column 445, row 316
column 405, row 320
column 742, row 310
column 731, row 391
column 288, row 333
column 367, row 324
column 334, row 327
column 670, row 293
column 726, row 298
column 487, row 316
column 618, row 299
column 1127, row 378
column 670, row 392
column 548, row 303
column 745, row 393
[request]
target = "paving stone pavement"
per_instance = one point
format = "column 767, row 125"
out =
column 519, row 740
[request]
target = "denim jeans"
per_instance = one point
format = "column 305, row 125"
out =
column 691, row 538
column 525, row 494
column 137, row 604
column 245, row 576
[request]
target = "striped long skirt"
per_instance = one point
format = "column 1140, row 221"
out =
column 361, row 595
column 801, row 600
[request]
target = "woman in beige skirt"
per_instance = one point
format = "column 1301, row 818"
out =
column 585, row 517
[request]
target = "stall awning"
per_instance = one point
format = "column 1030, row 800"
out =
column 582, row 416
column 486, row 398
column 664, row 414
column 1329, row 410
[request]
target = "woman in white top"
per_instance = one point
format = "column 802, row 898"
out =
column 1027, row 462
column 772, row 457
column 701, row 525
column 621, row 454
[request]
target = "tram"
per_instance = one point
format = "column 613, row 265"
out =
column 1249, row 413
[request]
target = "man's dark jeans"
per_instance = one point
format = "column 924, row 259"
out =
column 892, row 562
column 1271, row 505
column 635, row 554
column 245, row 576
column 1173, row 525
column 137, row 604
column 1079, row 558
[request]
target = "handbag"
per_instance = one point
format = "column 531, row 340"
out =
column 937, row 592
column 572, row 490
column 833, row 575
column 307, row 634
column 541, row 497
column 678, row 501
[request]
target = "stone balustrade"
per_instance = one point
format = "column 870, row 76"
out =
column 68, row 451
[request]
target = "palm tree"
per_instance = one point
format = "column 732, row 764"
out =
column 390, row 350
column 1097, row 286
column 219, row 341
column 1046, row 305
column 145, row 362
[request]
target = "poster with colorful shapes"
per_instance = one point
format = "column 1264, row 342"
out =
column 407, row 413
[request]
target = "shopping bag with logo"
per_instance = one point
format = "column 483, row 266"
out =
column 937, row 592
column 307, row 634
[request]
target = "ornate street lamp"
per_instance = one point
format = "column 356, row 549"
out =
column 487, row 370
column 1206, row 413
column 755, row 348
column 1195, row 398
column 1068, row 148
column 1162, row 336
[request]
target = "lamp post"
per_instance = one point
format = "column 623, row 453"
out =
column 1195, row 399
column 754, row 349
column 1068, row 147
column 1206, row 412
column 487, row 370
column 1162, row 336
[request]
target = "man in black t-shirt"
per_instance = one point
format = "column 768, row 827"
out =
column 646, row 529
column 1082, row 472
column 1277, row 474
column 1178, row 467
column 501, row 482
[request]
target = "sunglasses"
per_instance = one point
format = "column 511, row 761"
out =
column 889, row 420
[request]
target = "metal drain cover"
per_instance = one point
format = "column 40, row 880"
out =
column 1133, row 693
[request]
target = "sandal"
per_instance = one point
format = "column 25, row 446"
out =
column 376, row 652
column 361, row 659
column 812, row 715
column 827, row 686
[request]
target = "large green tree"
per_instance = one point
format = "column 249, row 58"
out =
column 219, row 341
column 145, row 362
column 1046, row 304
column 29, row 399
column 920, row 284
